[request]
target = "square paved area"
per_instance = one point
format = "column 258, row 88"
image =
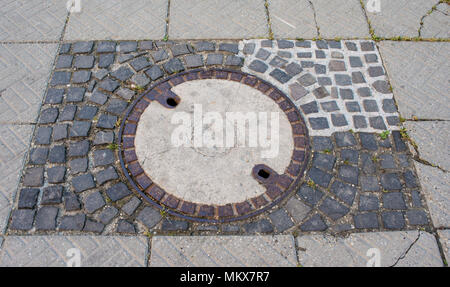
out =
column 233, row 251
column 360, row 191
column 292, row 19
column 399, row 17
column 25, row 70
column 118, row 20
column 37, row 20
column 206, row 19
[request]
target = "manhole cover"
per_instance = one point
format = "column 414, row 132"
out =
column 213, row 145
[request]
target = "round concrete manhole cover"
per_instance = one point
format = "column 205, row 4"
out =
column 213, row 145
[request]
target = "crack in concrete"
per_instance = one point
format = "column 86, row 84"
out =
column 166, row 32
column 419, row 159
column 315, row 17
column 433, row 9
column 407, row 250
column 269, row 21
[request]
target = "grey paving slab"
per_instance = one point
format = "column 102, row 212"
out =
column 52, row 251
column 118, row 20
column 432, row 137
column 223, row 251
column 24, row 72
column 400, row 248
column 418, row 73
column 399, row 17
column 444, row 238
column 215, row 19
column 38, row 20
column 341, row 18
column 436, row 25
column 14, row 142
column 435, row 185
column 292, row 19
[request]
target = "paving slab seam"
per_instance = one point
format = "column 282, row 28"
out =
column 439, row 241
column 149, row 249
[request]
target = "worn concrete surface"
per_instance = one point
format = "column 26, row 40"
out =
column 231, row 251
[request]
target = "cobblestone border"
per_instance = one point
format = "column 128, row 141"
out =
column 277, row 186
column 72, row 181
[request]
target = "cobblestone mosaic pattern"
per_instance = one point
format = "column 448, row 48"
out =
column 338, row 85
column 72, row 181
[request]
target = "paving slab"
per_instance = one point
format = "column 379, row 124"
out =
column 420, row 85
column 25, row 69
column 432, row 138
column 436, row 25
column 39, row 20
column 118, row 20
column 398, row 18
column 340, row 18
column 435, row 185
column 14, row 142
column 216, row 251
column 215, row 19
column 292, row 19
column 444, row 238
column 56, row 251
column 400, row 248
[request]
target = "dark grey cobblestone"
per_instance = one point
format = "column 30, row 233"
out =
column 46, row 218
column 28, row 198
column 93, row 202
column 22, row 219
column 125, row 227
column 281, row 220
column 107, row 214
column 261, row 226
column 315, row 223
column 72, row 222
column 93, row 226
